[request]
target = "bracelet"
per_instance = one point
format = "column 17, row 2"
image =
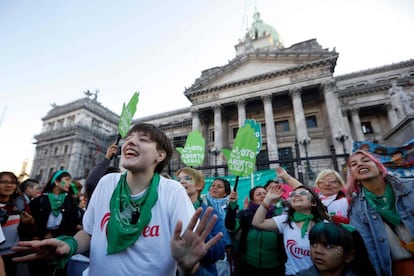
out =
column 265, row 205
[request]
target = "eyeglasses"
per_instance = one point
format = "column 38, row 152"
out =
column 330, row 182
column 185, row 178
column 7, row 182
column 301, row 193
column 327, row 247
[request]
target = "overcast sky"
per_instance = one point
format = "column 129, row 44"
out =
column 52, row 51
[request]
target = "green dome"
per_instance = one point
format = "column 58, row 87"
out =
column 260, row 29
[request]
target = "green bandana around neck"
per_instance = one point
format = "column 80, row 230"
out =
column 121, row 233
column 56, row 201
column 384, row 205
column 197, row 203
column 298, row 217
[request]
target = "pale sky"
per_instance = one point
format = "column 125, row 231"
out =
column 52, row 51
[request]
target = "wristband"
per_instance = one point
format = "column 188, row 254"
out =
column 265, row 205
column 60, row 262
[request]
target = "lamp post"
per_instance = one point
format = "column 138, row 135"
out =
column 215, row 151
column 342, row 137
column 305, row 141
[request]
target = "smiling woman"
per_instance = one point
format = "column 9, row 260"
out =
column 379, row 209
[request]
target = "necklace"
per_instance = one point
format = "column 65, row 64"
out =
column 136, row 213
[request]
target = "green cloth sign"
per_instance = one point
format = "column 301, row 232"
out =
column 128, row 112
column 245, row 183
column 193, row 152
column 257, row 131
column 241, row 160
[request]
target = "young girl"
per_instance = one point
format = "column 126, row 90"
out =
column 337, row 250
column 305, row 210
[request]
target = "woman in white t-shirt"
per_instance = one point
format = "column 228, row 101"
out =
column 305, row 210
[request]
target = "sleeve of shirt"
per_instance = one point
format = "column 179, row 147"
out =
column 279, row 221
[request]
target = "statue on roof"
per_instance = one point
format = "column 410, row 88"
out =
column 401, row 101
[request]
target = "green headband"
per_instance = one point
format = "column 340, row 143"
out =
column 56, row 175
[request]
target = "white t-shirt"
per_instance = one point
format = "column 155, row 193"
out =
column 336, row 207
column 151, row 253
column 297, row 248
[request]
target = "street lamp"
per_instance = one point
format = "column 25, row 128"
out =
column 342, row 137
column 305, row 141
column 215, row 151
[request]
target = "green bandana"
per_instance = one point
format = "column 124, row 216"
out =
column 56, row 202
column 122, row 232
column 298, row 217
column 197, row 203
column 384, row 205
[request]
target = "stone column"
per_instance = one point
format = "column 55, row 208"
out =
column 241, row 111
column 300, row 122
column 392, row 115
column 218, row 129
column 334, row 114
column 356, row 122
column 196, row 119
column 272, row 150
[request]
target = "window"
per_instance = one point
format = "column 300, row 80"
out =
column 71, row 120
column 366, row 127
column 282, row 126
column 211, row 135
column 179, row 141
column 311, row 121
column 60, row 123
column 45, row 152
column 66, row 149
column 96, row 123
column 55, row 151
column 235, row 129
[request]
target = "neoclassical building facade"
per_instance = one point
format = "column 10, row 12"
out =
column 293, row 93
column 74, row 137
column 304, row 110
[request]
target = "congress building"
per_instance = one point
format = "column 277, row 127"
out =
column 309, row 117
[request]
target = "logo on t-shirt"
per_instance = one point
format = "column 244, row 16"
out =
column 296, row 251
column 148, row 231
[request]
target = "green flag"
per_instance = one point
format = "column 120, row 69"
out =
column 241, row 159
column 193, row 152
column 257, row 131
column 128, row 112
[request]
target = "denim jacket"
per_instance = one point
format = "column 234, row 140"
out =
column 371, row 226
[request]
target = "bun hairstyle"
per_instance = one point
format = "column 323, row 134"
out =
column 56, row 176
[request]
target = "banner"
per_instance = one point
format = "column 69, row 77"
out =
column 193, row 152
column 399, row 161
column 259, row 179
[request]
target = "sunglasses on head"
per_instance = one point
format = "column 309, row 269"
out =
column 301, row 193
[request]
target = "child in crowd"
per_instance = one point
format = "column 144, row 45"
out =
column 337, row 250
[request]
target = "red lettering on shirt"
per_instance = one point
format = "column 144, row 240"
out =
column 296, row 251
column 151, row 231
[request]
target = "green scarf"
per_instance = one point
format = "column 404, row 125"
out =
column 197, row 203
column 384, row 205
column 298, row 217
column 56, row 202
column 121, row 233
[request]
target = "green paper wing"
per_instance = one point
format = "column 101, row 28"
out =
column 241, row 160
column 193, row 152
column 127, row 114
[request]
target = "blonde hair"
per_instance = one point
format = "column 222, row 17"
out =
column 195, row 174
column 326, row 172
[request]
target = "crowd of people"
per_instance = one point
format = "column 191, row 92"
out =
column 139, row 221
